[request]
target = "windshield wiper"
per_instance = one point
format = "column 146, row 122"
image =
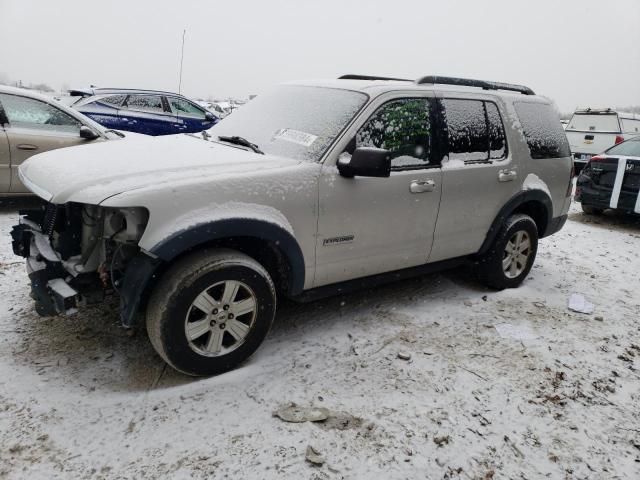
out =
column 242, row 142
column 120, row 134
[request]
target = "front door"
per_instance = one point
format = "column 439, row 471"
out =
column 189, row 117
column 34, row 127
column 374, row 225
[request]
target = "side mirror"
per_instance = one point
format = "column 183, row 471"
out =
column 87, row 133
column 366, row 162
column 210, row 116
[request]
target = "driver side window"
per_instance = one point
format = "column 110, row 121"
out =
column 30, row 113
column 404, row 128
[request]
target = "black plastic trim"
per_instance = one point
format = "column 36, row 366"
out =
column 135, row 285
column 555, row 225
column 371, row 281
column 509, row 207
column 351, row 76
column 467, row 82
column 201, row 234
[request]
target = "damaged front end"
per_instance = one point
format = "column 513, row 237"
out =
column 77, row 253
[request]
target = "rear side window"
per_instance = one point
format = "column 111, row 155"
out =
column 475, row 132
column 404, row 128
column 145, row 103
column 594, row 122
column 112, row 100
column 630, row 125
column 630, row 148
column 542, row 130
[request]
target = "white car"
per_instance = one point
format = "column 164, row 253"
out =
column 591, row 131
column 311, row 189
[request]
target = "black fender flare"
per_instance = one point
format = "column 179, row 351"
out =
column 144, row 268
column 511, row 206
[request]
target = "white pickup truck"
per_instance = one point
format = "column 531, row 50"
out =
column 591, row 131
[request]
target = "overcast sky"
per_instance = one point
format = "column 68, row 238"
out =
column 578, row 52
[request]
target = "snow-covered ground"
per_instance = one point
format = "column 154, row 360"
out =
column 81, row 399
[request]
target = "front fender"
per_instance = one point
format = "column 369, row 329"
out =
column 144, row 269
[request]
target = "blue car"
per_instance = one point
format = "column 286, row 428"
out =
column 143, row 111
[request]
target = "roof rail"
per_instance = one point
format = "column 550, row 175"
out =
column 464, row 82
column 370, row 77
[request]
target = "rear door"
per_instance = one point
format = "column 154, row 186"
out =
column 190, row 118
column 479, row 175
column 147, row 114
column 34, row 127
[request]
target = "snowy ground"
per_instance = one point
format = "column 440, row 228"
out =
column 81, row 399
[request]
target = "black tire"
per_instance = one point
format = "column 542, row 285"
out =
column 490, row 269
column 173, row 300
column 589, row 210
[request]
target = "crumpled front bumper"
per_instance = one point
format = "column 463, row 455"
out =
column 49, row 286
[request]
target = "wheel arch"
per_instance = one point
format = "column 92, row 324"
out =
column 268, row 243
column 535, row 203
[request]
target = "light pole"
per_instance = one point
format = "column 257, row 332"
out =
column 181, row 60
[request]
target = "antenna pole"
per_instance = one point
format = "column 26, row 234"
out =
column 181, row 60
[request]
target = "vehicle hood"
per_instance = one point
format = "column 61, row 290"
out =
column 93, row 173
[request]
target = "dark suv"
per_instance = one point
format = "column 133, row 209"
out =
column 143, row 111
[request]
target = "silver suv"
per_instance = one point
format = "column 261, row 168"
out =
column 311, row 189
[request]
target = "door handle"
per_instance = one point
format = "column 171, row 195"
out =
column 26, row 146
column 421, row 186
column 507, row 175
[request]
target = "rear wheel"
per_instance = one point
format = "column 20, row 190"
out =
column 211, row 311
column 510, row 258
column 589, row 210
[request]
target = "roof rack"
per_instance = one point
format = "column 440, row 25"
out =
column 464, row 82
column 370, row 77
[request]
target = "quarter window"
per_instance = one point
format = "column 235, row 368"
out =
column 30, row 113
column 404, row 128
column 543, row 131
column 184, row 108
column 145, row 103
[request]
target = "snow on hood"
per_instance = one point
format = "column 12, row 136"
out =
column 92, row 173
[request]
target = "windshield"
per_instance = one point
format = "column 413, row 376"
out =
column 594, row 122
column 293, row 121
column 630, row 148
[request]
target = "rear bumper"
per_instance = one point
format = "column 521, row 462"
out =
column 601, row 198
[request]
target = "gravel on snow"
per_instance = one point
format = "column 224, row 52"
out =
column 416, row 380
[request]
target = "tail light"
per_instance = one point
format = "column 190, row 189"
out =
column 619, row 139
column 598, row 158
column 573, row 174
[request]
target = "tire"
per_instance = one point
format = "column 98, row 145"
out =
column 494, row 269
column 589, row 210
column 190, row 297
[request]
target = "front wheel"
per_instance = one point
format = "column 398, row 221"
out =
column 510, row 258
column 211, row 311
